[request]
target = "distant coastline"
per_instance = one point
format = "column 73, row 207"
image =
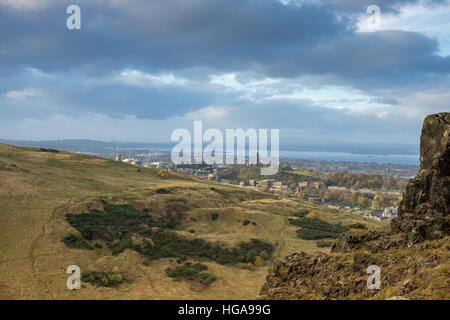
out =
column 402, row 154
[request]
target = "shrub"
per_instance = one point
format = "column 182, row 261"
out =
column 206, row 278
column 117, row 224
column 249, row 266
column 162, row 174
column 301, row 213
column 259, row 262
column 324, row 244
column 357, row 226
column 106, row 279
column 251, row 255
column 48, row 150
column 214, row 216
column 314, row 229
column 76, row 242
column 191, row 230
column 163, row 191
column 246, row 222
column 263, row 254
column 192, row 273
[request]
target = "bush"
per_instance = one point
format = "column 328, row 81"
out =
column 106, row 279
column 301, row 213
column 163, row 191
column 214, row 216
column 206, row 278
column 76, row 242
column 357, row 226
column 246, row 222
column 48, row 150
column 263, row 254
column 259, row 262
column 117, row 224
column 249, row 266
column 251, row 255
column 192, row 273
column 314, row 229
column 162, row 174
column 324, row 244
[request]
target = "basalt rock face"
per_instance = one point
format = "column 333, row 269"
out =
column 413, row 253
column 424, row 210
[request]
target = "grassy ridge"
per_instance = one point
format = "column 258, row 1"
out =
column 39, row 188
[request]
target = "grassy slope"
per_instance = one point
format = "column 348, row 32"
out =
column 38, row 188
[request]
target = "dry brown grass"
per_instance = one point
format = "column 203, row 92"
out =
column 44, row 186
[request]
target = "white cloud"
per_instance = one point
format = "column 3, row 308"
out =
column 23, row 94
column 433, row 21
column 142, row 79
column 25, row 4
column 211, row 112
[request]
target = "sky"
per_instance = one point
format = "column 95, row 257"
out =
column 139, row 69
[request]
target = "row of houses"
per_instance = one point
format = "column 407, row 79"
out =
column 382, row 215
column 283, row 186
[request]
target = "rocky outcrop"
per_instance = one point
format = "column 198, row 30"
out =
column 413, row 273
column 424, row 209
column 411, row 252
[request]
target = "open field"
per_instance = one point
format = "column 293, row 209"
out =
column 38, row 187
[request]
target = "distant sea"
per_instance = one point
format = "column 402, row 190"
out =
column 382, row 153
column 405, row 159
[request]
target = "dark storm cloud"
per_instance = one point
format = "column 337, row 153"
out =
column 376, row 59
column 264, row 37
column 223, row 34
column 164, row 34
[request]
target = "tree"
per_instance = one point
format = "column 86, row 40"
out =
column 363, row 202
column 259, row 262
column 376, row 205
column 354, row 197
column 162, row 174
column 263, row 254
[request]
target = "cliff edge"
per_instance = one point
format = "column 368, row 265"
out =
column 413, row 254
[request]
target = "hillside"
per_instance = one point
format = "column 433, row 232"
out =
column 413, row 254
column 127, row 225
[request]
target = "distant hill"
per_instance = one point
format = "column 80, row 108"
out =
column 354, row 148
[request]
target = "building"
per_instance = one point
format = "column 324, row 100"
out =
column 390, row 212
column 281, row 185
column 303, row 185
column 202, row 174
column 376, row 215
column 314, row 184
